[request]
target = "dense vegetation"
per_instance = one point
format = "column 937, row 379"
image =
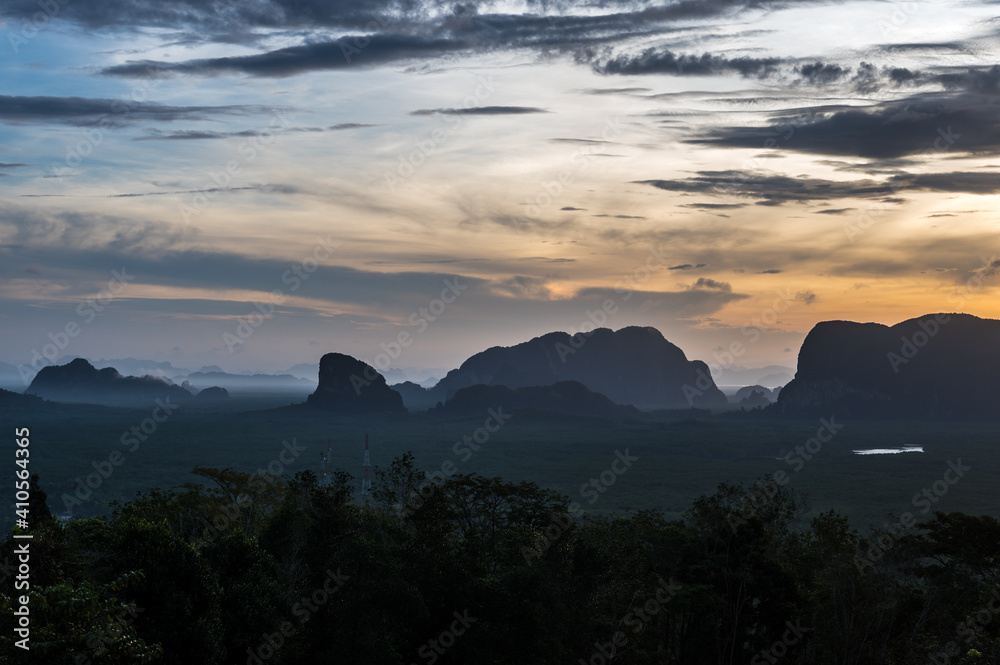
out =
column 242, row 569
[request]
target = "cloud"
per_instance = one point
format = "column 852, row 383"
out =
column 615, row 91
column 925, row 46
column 973, row 80
column 341, row 53
column 709, row 283
column 349, row 125
column 201, row 135
column 901, row 75
column 805, row 297
column 386, row 32
column 834, row 211
column 819, row 73
column 521, row 286
column 774, row 189
column 714, row 206
column 83, row 110
column 687, row 266
column 481, row 110
column 956, row 181
column 771, row 271
column 654, row 61
column 689, row 302
column 924, row 123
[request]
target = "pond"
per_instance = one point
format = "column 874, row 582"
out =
column 890, row 451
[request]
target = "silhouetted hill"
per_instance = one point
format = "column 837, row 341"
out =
column 751, row 396
column 349, row 386
column 565, row 397
column 81, row 382
column 631, row 366
column 212, row 394
column 415, row 397
column 935, row 365
column 17, row 400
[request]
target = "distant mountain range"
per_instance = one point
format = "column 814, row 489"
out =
column 754, row 396
column 634, row 365
column 937, row 365
column 81, row 382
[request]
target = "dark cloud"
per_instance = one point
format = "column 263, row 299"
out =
column 615, row 91
column 655, row 61
column 4, row 165
column 83, row 110
column 774, row 189
column 714, row 206
column 621, row 216
column 349, row 125
column 806, row 297
column 771, row 271
column 925, row 123
column 985, row 81
column 272, row 189
column 709, row 283
column 834, row 211
column 568, row 208
column 393, row 31
column 201, row 135
column 481, row 110
column 899, row 75
column 957, row 181
column 819, row 73
column 925, row 46
column 689, row 302
column 327, row 55
column 226, row 20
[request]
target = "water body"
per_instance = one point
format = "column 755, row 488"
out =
column 890, row 451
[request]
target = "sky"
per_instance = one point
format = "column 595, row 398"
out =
column 253, row 183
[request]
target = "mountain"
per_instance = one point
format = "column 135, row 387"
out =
column 250, row 382
column 634, row 366
column 10, row 399
column 212, row 394
column 416, row 397
column 570, row 398
column 79, row 381
column 349, row 386
column 937, row 365
column 142, row 367
column 751, row 396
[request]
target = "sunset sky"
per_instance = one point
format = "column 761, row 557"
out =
column 700, row 167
